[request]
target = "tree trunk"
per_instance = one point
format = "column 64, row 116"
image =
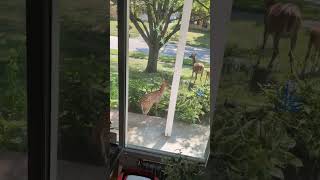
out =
column 152, row 60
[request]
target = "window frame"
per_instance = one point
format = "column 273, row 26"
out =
column 42, row 34
column 221, row 11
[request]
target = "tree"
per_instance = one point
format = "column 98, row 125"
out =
column 201, row 12
column 163, row 21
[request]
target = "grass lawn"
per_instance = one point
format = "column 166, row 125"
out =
column 137, row 64
column 195, row 38
column 310, row 10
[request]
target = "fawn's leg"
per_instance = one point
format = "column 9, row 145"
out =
column 292, row 48
column 276, row 40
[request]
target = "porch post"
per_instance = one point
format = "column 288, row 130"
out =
column 178, row 64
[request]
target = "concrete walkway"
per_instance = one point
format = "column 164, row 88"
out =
column 148, row 132
column 170, row 49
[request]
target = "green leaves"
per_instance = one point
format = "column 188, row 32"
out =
column 179, row 168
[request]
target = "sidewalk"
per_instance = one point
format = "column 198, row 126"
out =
column 170, row 49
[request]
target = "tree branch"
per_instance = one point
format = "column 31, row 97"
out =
column 203, row 5
column 178, row 9
column 175, row 30
column 136, row 24
column 144, row 26
column 167, row 22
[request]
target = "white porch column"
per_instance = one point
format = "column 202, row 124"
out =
column 178, row 64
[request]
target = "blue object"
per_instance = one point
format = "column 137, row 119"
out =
column 289, row 101
column 200, row 93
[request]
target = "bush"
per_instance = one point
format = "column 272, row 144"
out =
column 13, row 126
column 252, row 144
column 83, row 101
column 191, row 105
column 13, row 135
column 179, row 168
column 271, row 142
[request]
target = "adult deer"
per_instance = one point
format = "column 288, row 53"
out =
column 282, row 20
column 197, row 68
column 314, row 42
column 148, row 100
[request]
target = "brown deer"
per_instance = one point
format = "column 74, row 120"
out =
column 282, row 20
column 197, row 68
column 148, row 100
column 314, row 42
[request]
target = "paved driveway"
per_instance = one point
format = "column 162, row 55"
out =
column 170, row 49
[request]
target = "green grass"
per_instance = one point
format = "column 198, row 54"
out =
column 133, row 33
column 195, row 38
column 310, row 11
column 138, row 63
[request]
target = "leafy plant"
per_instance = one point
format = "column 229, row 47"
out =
column 13, row 130
column 83, row 96
column 13, row 135
column 253, row 144
column 179, row 168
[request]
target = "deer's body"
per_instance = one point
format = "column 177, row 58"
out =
column 148, row 100
column 282, row 20
column 314, row 42
column 197, row 68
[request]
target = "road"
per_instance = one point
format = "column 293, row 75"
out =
column 203, row 54
column 170, row 49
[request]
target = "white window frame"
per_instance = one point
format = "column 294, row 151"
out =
column 220, row 15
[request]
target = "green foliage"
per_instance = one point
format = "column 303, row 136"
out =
column 263, row 142
column 179, row 168
column 13, row 132
column 201, row 11
column 83, row 96
column 310, row 9
column 192, row 106
column 13, row 135
column 253, row 144
column 114, row 91
column 303, row 125
column 13, row 101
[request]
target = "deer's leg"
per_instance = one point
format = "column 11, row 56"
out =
column 156, row 108
column 195, row 79
column 292, row 48
column 306, row 58
column 265, row 39
column 201, row 75
column 315, row 60
column 276, row 40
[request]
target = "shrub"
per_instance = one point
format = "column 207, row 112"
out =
column 179, row 168
column 191, row 105
column 252, row 144
column 13, row 132
column 83, row 100
column 13, row 135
